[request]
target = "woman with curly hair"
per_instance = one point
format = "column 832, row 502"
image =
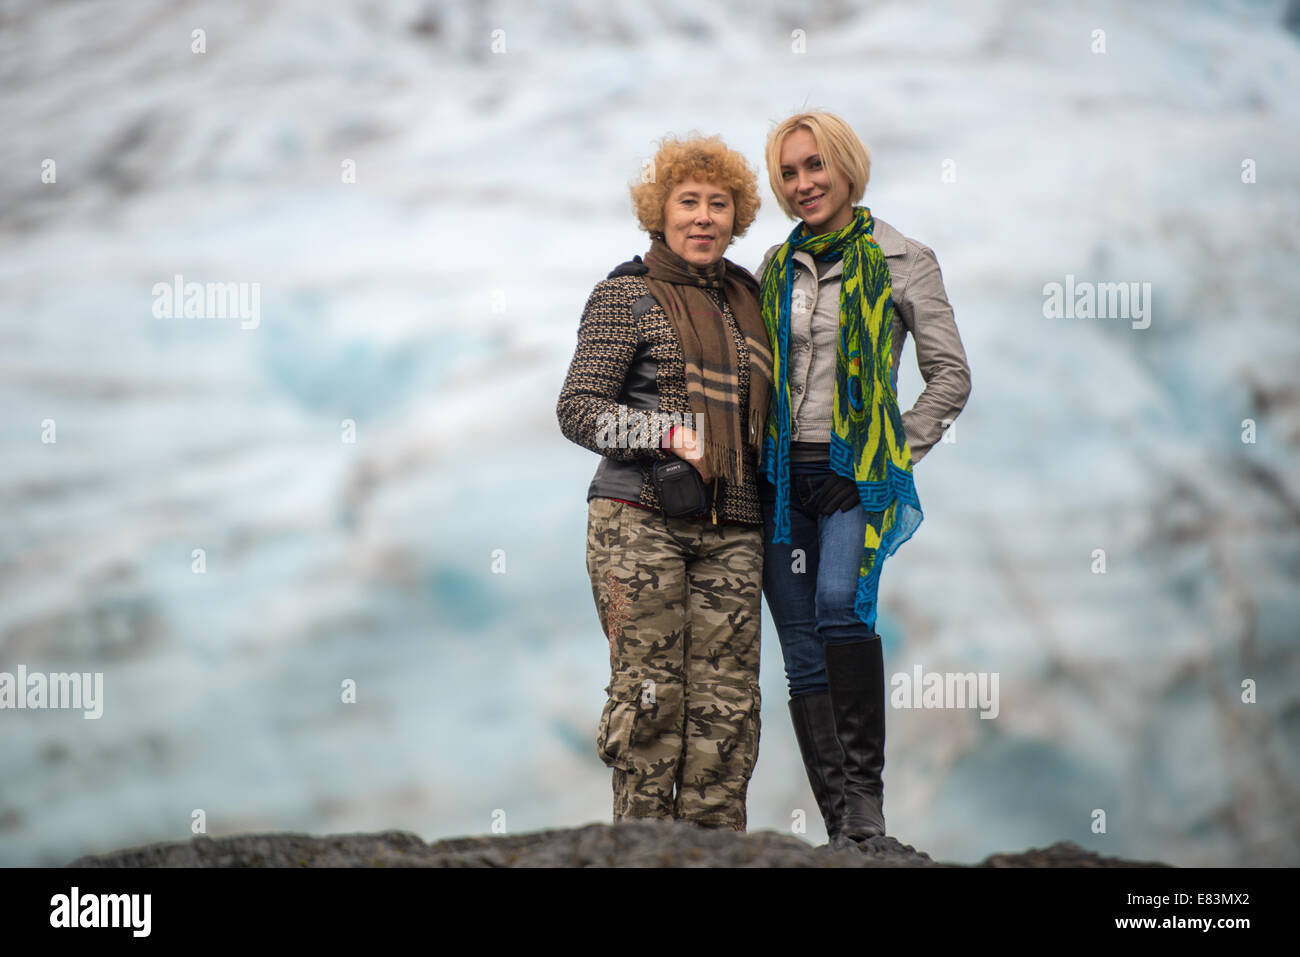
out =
column 670, row 384
column 839, row 297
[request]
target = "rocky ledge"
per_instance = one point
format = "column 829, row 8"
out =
column 628, row 844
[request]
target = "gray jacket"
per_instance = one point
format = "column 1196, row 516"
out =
column 920, row 307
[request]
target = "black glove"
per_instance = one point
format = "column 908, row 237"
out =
column 633, row 267
column 838, row 494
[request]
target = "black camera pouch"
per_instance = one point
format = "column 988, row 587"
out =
column 680, row 488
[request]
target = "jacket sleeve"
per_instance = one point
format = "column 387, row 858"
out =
column 939, row 355
column 589, row 410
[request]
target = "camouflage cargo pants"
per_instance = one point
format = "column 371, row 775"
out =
column 680, row 727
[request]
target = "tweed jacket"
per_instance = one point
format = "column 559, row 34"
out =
column 626, row 365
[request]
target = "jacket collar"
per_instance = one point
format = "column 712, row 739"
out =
column 892, row 242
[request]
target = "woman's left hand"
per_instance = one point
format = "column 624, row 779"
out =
column 838, row 494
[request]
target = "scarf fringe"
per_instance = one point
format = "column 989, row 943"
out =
column 723, row 462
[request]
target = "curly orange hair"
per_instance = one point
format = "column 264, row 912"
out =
column 703, row 158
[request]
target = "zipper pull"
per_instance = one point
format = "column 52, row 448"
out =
column 714, row 501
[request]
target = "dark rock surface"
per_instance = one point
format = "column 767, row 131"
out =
column 630, row 844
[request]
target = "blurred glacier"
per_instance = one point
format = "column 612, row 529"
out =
column 434, row 303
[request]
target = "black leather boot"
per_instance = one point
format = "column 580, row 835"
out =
column 814, row 729
column 856, row 674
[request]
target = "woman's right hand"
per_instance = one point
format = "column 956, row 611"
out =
column 682, row 442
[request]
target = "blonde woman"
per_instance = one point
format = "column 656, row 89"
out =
column 839, row 297
column 672, row 366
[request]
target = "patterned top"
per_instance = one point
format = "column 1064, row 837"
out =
column 608, row 337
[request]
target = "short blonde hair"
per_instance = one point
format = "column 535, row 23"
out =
column 838, row 145
column 703, row 158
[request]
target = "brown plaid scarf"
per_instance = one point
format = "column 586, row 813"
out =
column 709, row 351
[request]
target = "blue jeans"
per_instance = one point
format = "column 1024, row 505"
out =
column 811, row 599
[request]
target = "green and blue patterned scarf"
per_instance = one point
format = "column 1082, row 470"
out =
column 868, row 444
